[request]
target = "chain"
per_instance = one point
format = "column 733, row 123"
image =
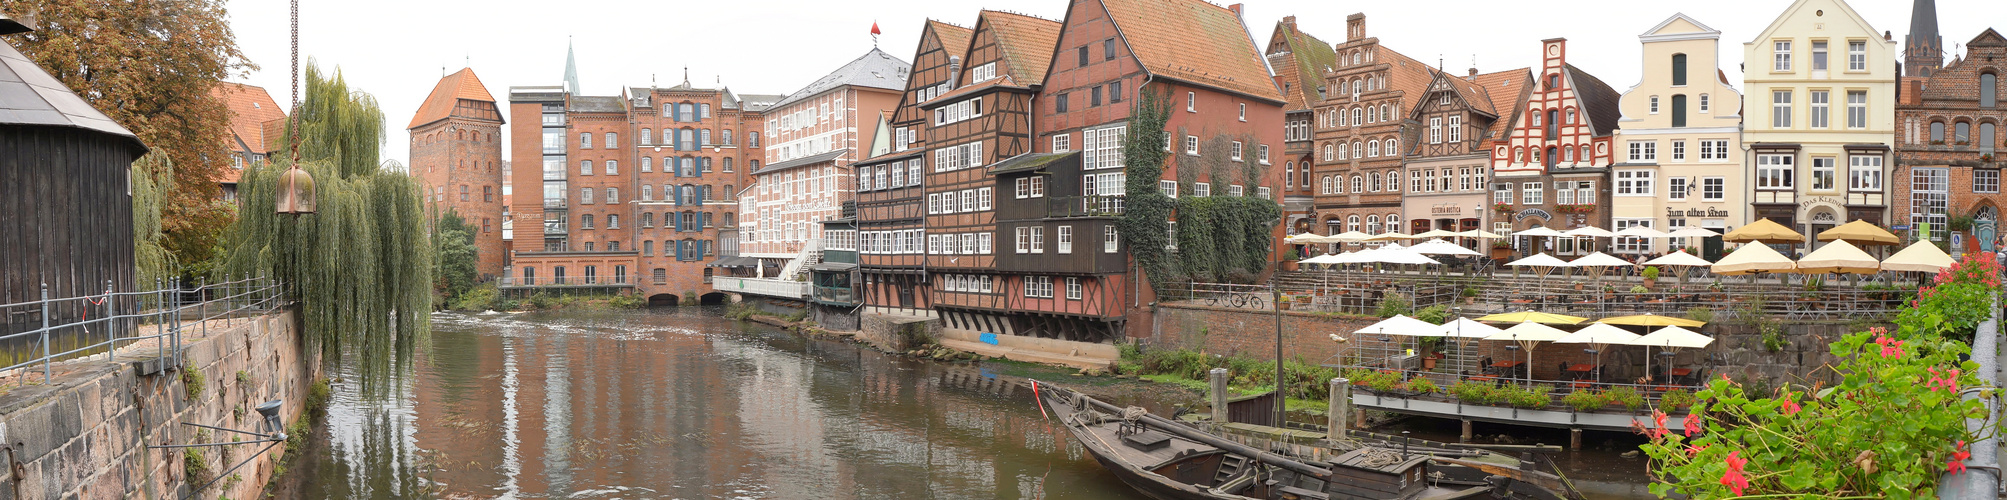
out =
column 296, row 83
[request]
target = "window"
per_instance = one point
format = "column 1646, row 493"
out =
column 1261, row 192
column 612, row 140
column 1456, row 128
column 1644, row 151
column 1857, row 55
column 1094, row 96
column 1713, row 149
column 1081, row 55
column 1263, row 155
column 1780, row 108
column 1989, row 85
column 612, row 167
column 1985, row 180
column 1111, row 240
column 1236, row 190
column 1115, row 92
column 1703, row 103
column 1415, row 184
column 1191, row 102
column 1823, row 174
column 1501, row 193
column 1202, row 189
column 1372, row 150
column 1038, row 286
column 1679, row 110
column 1373, row 224
column 1073, row 288
column 1062, row 143
column 1986, row 138
column 1108, row 49
column 1818, row 55
column 1328, row 155
column 968, row 200
column 585, row 167
column 1654, row 105
column 1634, row 183
column 1564, row 193
column 1930, row 197
column 612, row 195
column 585, row 140
column 1857, row 109
column 983, row 199
column 1781, row 56
column 1192, row 145
column 1937, row 132
column 1532, row 193
column 1435, row 130
column 1679, row 69
column 1235, row 153
column 1629, row 244
column 1243, row 111
column 1374, row 185
column 1169, row 188
column 1864, row 173
column 1037, row 240
column 1358, row 183
column 1676, row 188
column 1678, row 150
column 1963, row 134
column 1102, row 147
column 1820, row 108
column 1713, row 188
column 983, row 243
column 585, row 196
column 1059, row 103
column 1774, row 171
column 1065, row 239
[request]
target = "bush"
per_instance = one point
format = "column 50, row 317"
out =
column 1626, row 396
column 481, row 298
column 1700, row 314
column 1423, row 386
column 626, row 302
column 1386, row 382
column 1393, row 304
column 1530, row 397
column 1436, row 314
column 543, row 301
column 1583, row 400
column 1677, row 399
column 1476, row 393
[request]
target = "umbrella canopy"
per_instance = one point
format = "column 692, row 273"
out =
column 1599, row 334
column 1438, row 233
column 1401, row 325
column 1530, row 332
column 1303, row 239
column 1390, row 236
column 1540, row 260
column 1839, row 257
column 1651, row 320
column 1348, row 236
column 1861, row 233
column 1678, row 259
column 1440, row 247
column 1539, row 231
column 1763, row 230
column 1468, row 329
column 1478, row 233
column 1754, row 259
column 1599, row 259
column 1693, row 232
column 1358, row 257
column 1589, row 231
column 1393, row 254
column 1329, row 258
column 1642, row 232
column 1533, row 317
column 1923, row 256
column 1673, row 336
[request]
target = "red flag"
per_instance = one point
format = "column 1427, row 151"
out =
column 874, row 27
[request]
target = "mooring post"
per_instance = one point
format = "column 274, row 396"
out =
column 1217, row 379
column 1465, row 437
column 1575, row 439
column 1341, row 407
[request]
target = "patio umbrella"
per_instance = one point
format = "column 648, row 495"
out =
column 1533, row 317
column 1861, row 233
column 1391, row 236
column 1440, row 247
column 1539, row 260
column 1597, row 261
column 1839, row 257
column 1693, row 232
column 1540, row 231
column 1671, row 338
column 1922, row 256
column 1466, row 329
column 1651, row 320
column 1438, row 233
column 1394, row 254
column 1754, row 259
column 1599, row 336
column 1398, row 326
column 1349, row 237
column 1478, row 233
column 1642, row 232
column 1329, row 258
column 1681, row 260
column 1763, row 230
column 1527, row 335
column 1303, row 239
column 1589, row 232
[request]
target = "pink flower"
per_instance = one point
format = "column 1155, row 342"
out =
column 1943, row 380
column 1657, row 429
column 1694, row 450
column 1791, row 407
column 1890, row 346
column 1732, row 478
column 1957, row 463
column 1692, row 424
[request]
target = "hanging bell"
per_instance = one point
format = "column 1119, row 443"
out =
column 296, row 192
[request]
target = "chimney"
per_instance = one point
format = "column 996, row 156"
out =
column 954, row 71
column 1289, row 21
column 1236, row 8
column 1888, row 36
column 1473, row 75
column 1355, row 26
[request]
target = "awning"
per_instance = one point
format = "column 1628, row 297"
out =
column 735, row 262
column 834, row 266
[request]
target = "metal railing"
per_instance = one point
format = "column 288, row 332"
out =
column 89, row 325
column 1361, row 292
column 761, row 286
column 516, row 281
column 1651, row 392
column 1084, row 206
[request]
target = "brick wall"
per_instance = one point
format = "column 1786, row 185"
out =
column 1228, row 332
column 456, row 153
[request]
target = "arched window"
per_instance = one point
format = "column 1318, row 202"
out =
column 1679, row 69
column 1519, row 155
column 1986, row 137
column 1374, row 178
column 1963, row 133
column 726, row 137
column 585, row 140
column 1358, row 149
column 1344, row 152
column 752, row 139
column 1989, row 89
column 686, row 112
column 1327, row 152
column 585, row 167
column 1372, row 149
column 1393, row 223
column 1386, row 112
column 647, row 218
column 647, row 164
column 1536, row 155
column 1394, row 180
column 1372, row 114
column 1937, row 132
column 1324, row 186
column 1585, row 154
column 1372, row 224
column 1289, row 175
column 1568, row 154
column 647, row 194
column 1355, row 115
column 647, row 137
column 1358, row 183
column 1352, row 223
column 1393, row 147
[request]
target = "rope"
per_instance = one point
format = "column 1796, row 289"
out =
column 1133, row 413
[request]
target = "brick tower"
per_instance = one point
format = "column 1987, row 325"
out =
column 456, row 154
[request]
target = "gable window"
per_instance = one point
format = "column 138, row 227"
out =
column 1435, row 130
column 1094, row 96
column 1243, row 111
column 1059, row 103
column 1115, row 92
column 1679, row 69
column 1818, row 55
column 1780, row 108
column 1456, row 127
column 1703, row 103
column 1654, row 109
column 1780, row 56
column 1191, row 102
column 1989, row 90
column 1108, row 49
column 1082, row 52
column 1857, row 55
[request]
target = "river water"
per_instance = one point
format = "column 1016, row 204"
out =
column 684, row 404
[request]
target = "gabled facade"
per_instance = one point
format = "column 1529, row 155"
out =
column 1066, row 273
column 456, row 154
column 1949, row 145
column 1363, row 123
column 1680, row 141
column 1300, row 62
column 1822, row 85
column 893, row 277
column 256, row 126
column 1554, row 169
column 1458, row 119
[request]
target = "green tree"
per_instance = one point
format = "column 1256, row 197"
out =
column 361, row 266
column 150, row 65
column 457, row 255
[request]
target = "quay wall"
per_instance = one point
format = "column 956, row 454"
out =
column 85, row 434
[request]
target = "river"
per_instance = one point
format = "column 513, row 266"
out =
column 684, row 404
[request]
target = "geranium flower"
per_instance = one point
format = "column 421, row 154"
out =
column 1732, row 478
column 1694, row 450
column 1957, row 463
column 1791, row 407
column 1943, row 380
column 1693, row 424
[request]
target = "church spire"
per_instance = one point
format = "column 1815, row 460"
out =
column 1924, row 50
column 570, row 68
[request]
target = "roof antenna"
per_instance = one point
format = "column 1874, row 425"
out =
column 686, row 76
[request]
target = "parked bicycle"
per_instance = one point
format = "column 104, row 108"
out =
column 1237, row 299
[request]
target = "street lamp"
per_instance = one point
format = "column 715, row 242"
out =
column 295, row 192
column 272, row 432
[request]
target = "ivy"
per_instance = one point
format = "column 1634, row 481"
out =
column 1146, row 219
column 1220, row 238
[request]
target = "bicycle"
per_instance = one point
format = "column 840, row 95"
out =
column 1237, row 300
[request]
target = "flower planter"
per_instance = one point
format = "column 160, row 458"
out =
column 1501, row 253
column 1428, row 363
column 1289, row 265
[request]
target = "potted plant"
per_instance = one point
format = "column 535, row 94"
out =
column 1502, row 208
column 1584, row 400
column 1429, row 347
column 1289, row 260
column 1469, row 294
column 1651, row 275
column 1501, row 250
column 1640, row 289
column 1422, row 385
column 1578, row 286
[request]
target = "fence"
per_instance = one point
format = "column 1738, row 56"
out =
column 51, row 329
column 1361, row 293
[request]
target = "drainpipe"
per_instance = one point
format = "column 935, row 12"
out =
column 1981, row 479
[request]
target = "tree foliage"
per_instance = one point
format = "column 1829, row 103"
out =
column 151, row 187
column 1146, row 219
column 150, row 65
column 1220, row 237
column 457, row 255
column 361, row 266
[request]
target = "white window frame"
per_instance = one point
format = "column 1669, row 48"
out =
column 1072, row 288
column 1532, row 193
column 1635, row 182
column 1713, row 188
column 1776, row 172
column 1826, row 177
column 1864, row 173
column 1065, row 239
column 1780, row 56
column 1062, row 143
column 1111, row 239
column 1641, row 151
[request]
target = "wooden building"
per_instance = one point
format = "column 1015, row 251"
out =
column 67, row 205
column 1448, row 163
column 889, row 185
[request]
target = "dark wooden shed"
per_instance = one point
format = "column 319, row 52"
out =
column 65, row 200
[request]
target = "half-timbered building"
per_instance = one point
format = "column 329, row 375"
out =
column 890, row 209
column 1554, row 170
column 1362, row 125
column 1300, row 62
column 1450, row 158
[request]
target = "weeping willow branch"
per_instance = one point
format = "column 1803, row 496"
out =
column 151, row 178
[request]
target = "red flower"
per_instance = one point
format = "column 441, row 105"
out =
column 1890, row 347
column 1694, row 450
column 1943, row 380
column 1733, row 478
column 1957, row 463
column 1791, row 407
column 1693, row 424
column 1658, row 428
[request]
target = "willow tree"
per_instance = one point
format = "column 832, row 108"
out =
column 361, row 267
column 151, row 181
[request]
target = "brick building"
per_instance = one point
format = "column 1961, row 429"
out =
column 1554, row 170
column 1361, row 127
column 1300, row 62
column 456, row 155
column 257, row 129
column 636, row 190
column 1459, row 119
column 1949, row 142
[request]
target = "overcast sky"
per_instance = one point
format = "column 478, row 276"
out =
column 397, row 49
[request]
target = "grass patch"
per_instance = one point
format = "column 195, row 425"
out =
column 193, row 382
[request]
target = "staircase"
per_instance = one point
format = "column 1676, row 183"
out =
column 1230, row 466
column 797, row 268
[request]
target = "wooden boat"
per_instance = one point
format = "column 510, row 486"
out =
column 1167, row 460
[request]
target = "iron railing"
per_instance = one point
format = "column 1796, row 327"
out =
column 612, row 281
column 64, row 328
column 1361, row 293
column 1084, row 206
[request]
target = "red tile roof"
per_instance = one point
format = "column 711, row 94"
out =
column 1506, row 91
column 1299, row 60
column 461, row 84
column 954, row 39
column 1194, row 41
column 1026, row 42
column 250, row 108
column 1407, row 75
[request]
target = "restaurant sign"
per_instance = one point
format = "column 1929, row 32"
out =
column 1710, row 212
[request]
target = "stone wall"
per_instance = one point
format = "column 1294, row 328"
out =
column 84, row 435
column 1228, row 331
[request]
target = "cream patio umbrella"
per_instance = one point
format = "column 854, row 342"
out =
column 1671, row 338
column 1763, row 230
column 1755, row 258
column 1922, row 257
column 1438, row 233
column 1398, row 326
column 1533, row 317
column 1693, row 232
column 1465, row 332
column 1391, row 236
column 1642, row 232
column 1679, row 259
column 1595, row 262
column 1478, row 233
column 1599, row 336
column 1527, row 335
column 1440, row 247
column 1861, row 233
column 1589, row 232
column 1839, row 257
column 1540, row 231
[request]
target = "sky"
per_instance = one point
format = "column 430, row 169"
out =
column 397, row 50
